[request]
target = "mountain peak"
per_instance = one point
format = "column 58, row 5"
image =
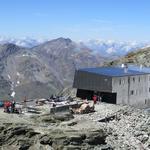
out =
column 66, row 41
column 10, row 45
column 8, row 49
column 63, row 39
column 58, row 43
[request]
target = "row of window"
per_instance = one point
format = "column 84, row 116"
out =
column 135, row 92
column 122, row 81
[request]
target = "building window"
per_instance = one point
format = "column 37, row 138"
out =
column 136, row 92
column 128, row 80
column 141, row 90
column 120, row 81
column 123, row 81
column 149, row 89
column 139, row 79
column 132, row 92
column 133, row 79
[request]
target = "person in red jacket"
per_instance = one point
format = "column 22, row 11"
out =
column 7, row 106
column 94, row 99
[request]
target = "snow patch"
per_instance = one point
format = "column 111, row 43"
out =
column 25, row 55
column 110, row 50
column 18, row 82
column 13, row 94
column 9, row 76
column 18, row 74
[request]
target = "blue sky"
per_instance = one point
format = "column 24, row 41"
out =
column 76, row 19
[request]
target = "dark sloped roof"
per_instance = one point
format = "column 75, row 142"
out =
column 112, row 71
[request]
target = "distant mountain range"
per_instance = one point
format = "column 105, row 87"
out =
column 23, row 42
column 106, row 48
column 114, row 48
column 42, row 70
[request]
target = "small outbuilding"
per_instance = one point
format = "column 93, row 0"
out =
column 114, row 85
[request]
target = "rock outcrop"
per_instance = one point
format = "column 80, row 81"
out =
column 25, row 138
column 137, row 57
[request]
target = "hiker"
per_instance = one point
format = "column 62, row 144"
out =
column 94, row 99
column 10, row 108
column 52, row 110
column 51, row 97
column 1, row 103
column 7, row 106
column 25, row 102
column 53, row 103
column 99, row 99
column 13, row 106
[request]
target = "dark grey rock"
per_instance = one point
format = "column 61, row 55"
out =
column 45, row 139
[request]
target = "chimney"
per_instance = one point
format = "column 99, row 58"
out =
column 141, row 67
column 122, row 66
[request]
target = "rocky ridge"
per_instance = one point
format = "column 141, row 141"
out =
column 137, row 57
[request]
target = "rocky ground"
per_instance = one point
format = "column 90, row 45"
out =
column 109, row 127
